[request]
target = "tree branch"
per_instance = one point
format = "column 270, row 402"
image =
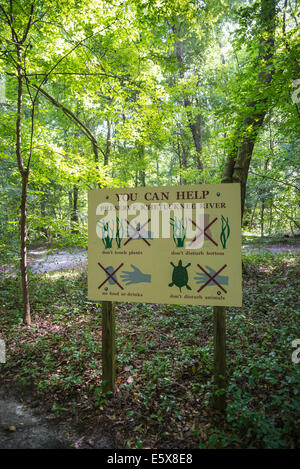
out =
column 73, row 117
column 28, row 24
column 273, row 179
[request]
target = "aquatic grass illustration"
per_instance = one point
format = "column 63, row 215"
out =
column 107, row 235
column 225, row 231
column 179, row 232
column 111, row 232
column 119, row 229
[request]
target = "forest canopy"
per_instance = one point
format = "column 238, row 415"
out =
column 126, row 93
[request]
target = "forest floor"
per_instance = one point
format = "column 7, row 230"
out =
column 51, row 382
column 22, row 427
column 25, row 423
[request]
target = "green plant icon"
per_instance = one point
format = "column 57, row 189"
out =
column 118, row 237
column 179, row 232
column 111, row 232
column 225, row 231
column 107, row 235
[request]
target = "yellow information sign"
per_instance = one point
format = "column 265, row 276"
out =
column 177, row 245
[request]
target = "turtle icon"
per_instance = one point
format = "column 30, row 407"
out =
column 180, row 276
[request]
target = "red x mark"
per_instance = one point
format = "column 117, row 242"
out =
column 110, row 276
column 204, row 231
column 137, row 231
column 212, row 278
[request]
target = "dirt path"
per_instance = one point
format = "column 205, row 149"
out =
column 43, row 260
column 21, row 429
column 247, row 248
column 25, row 425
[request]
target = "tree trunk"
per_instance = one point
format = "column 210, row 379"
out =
column 262, row 214
column 238, row 162
column 195, row 124
column 252, row 216
column 184, row 154
column 74, row 213
column 24, row 176
column 23, row 263
column 196, row 130
column 43, row 213
column 142, row 174
column 271, row 217
column 108, row 143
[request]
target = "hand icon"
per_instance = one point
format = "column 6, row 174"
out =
column 201, row 277
column 136, row 276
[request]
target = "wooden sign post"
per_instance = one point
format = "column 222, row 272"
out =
column 219, row 397
column 108, row 347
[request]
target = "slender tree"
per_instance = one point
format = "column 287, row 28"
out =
column 16, row 55
column 238, row 162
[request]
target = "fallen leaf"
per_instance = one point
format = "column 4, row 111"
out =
column 11, row 428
